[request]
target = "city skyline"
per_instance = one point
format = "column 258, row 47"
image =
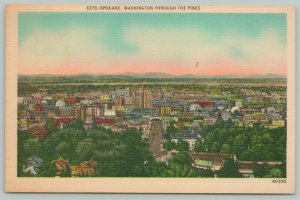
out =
column 205, row 44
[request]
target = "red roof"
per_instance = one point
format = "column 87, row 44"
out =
column 205, row 103
column 40, row 133
column 105, row 121
column 37, row 96
column 38, row 108
column 70, row 100
column 58, row 122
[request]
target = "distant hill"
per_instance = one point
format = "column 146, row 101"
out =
column 269, row 76
column 132, row 76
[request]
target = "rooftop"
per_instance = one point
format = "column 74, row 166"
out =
column 212, row 157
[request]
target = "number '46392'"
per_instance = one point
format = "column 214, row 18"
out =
column 279, row 181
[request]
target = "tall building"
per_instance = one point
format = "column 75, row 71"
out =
column 24, row 100
column 119, row 101
column 142, row 98
column 238, row 103
column 60, row 104
column 93, row 110
column 165, row 109
column 122, row 92
column 37, row 98
column 83, row 113
column 78, row 111
column 128, row 103
column 109, row 110
column 226, row 116
column 138, row 99
column 185, row 115
column 68, row 112
column 70, row 100
column 104, row 97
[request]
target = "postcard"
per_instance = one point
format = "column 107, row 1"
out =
column 150, row 99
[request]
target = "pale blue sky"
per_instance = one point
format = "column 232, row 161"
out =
column 231, row 43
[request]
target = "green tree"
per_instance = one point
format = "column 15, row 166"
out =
column 155, row 169
column 240, row 143
column 283, row 168
column 63, row 149
column 215, row 147
column 135, row 154
column 169, row 145
column 230, row 169
column 260, row 171
column 225, row 148
column 248, row 143
column 171, row 130
column 47, row 170
column 50, row 124
column 181, row 158
column 199, row 147
column 23, row 137
column 274, row 173
column 32, row 147
column 85, row 149
column 182, row 145
column 179, row 171
column 205, row 173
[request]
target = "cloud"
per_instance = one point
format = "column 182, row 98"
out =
column 163, row 49
column 45, row 51
column 190, row 45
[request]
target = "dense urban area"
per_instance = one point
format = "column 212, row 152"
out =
column 121, row 126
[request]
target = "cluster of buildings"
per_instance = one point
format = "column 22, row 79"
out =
column 152, row 111
column 122, row 109
column 215, row 161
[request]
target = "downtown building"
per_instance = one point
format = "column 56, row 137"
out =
column 142, row 98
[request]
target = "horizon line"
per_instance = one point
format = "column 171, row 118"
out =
column 149, row 73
